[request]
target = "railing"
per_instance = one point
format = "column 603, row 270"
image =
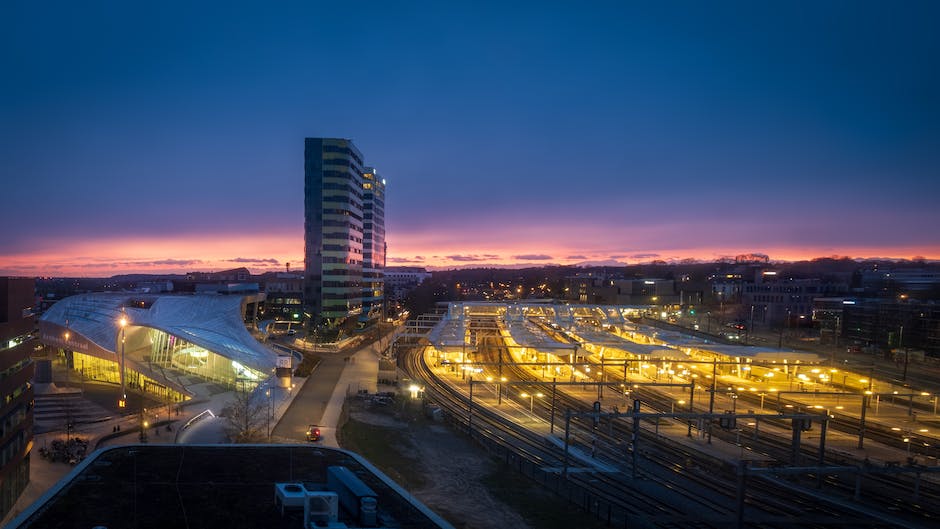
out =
column 197, row 418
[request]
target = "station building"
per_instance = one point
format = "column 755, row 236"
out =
column 160, row 344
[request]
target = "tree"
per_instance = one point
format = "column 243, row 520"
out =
column 246, row 417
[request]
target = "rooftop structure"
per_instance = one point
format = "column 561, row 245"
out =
column 224, row 486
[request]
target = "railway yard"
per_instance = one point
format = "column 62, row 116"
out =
column 641, row 426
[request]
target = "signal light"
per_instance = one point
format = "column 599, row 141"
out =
column 122, row 403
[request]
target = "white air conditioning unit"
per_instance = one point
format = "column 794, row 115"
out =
column 320, row 508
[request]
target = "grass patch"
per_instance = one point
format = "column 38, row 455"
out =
column 539, row 507
column 309, row 362
column 385, row 448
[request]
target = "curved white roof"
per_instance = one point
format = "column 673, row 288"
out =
column 211, row 321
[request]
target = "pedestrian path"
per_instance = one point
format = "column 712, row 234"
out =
column 360, row 374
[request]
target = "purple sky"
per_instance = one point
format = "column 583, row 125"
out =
column 169, row 137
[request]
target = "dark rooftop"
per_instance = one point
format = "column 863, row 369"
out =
column 232, row 486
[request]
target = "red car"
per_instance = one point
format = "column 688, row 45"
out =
column 313, row 433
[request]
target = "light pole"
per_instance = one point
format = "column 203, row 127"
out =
column 144, row 424
column 267, row 393
column 123, row 323
column 750, row 327
column 901, row 339
column 531, row 398
column 679, row 402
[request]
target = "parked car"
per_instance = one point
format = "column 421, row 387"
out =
column 313, row 433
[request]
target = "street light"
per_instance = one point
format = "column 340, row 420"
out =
column 679, row 402
column 123, row 323
column 267, row 393
column 531, row 400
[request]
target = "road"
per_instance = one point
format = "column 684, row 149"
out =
column 309, row 404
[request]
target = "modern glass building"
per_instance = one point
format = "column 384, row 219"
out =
column 373, row 247
column 159, row 344
column 333, row 233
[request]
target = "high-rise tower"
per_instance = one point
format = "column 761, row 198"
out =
column 333, row 232
column 373, row 246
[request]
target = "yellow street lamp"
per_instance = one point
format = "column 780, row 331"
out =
column 531, row 398
column 679, row 402
column 123, row 323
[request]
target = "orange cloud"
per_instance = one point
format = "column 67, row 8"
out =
column 106, row 257
column 260, row 252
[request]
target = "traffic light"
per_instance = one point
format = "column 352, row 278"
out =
column 122, row 403
column 806, row 425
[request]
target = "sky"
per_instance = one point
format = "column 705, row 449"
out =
column 168, row 136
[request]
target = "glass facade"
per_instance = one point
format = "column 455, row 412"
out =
column 168, row 351
column 167, row 343
column 333, row 231
column 373, row 247
column 93, row 368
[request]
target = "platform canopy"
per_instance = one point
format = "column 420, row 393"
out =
column 755, row 353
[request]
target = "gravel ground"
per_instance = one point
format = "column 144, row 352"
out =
column 454, row 469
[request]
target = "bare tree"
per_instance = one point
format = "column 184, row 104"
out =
column 245, row 416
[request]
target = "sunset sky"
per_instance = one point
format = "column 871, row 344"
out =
column 168, row 137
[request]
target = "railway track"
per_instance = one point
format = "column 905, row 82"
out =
column 673, row 480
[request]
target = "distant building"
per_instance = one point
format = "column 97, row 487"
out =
column 901, row 280
column 888, row 324
column 601, row 290
column 727, row 287
column 16, row 410
column 772, row 300
column 284, row 291
column 241, row 274
column 400, row 280
column 332, row 231
column 373, row 247
column 828, row 314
